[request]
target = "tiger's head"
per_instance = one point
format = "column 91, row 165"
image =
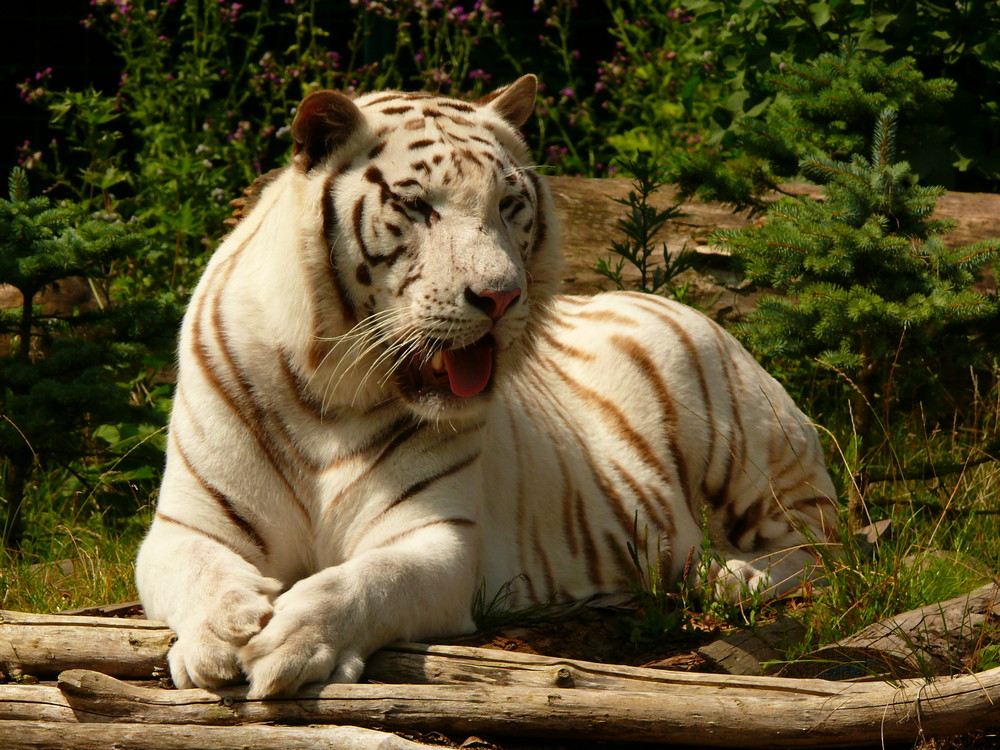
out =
column 439, row 233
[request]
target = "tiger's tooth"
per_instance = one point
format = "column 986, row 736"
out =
column 437, row 361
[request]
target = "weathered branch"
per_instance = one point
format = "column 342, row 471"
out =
column 22, row 735
column 798, row 713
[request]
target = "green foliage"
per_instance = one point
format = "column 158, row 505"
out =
column 658, row 89
column 874, row 294
column 825, row 108
column 62, row 371
column 640, row 225
column 874, row 288
column 750, row 40
column 926, row 559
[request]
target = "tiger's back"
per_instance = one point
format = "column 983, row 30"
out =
column 638, row 414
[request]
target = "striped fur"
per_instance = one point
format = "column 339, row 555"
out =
column 383, row 404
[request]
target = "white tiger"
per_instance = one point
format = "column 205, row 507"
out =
column 382, row 405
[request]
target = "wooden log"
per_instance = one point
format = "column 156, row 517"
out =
column 931, row 640
column 41, row 735
column 759, row 712
column 45, row 645
column 587, row 213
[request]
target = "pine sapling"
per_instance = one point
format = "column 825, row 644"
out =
column 640, row 225
column 872, row 291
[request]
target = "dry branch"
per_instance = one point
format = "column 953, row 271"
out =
column 35, row 735
column 757, row 713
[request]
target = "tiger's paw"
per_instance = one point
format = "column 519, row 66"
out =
column 737, row 581
column 206, row 653
column 311, row 638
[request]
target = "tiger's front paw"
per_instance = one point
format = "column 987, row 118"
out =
column 206, row 653
column 311, row 638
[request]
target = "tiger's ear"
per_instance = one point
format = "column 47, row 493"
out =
column 514, row 103
column 325, row 121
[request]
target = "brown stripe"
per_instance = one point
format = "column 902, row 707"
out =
column 207, row 534
column 418, row 487
column 460, row 522
column 567, row 494
column 588, row 543
column 294, row 382
column 566, row 349
column 257, row 415
column 550, row 583
column 422, row 143
column 663, row 526
column 626, row 570
column 224, row 503
column 603, row 315
column 416, row 276
column 541, row 231
column 402, row 109
column 383, row 99
column 668, row 411
column 358, row 219
column 568, row 299
column 521, row 517
column 383, row 441
column 457, row 106
column 329, row 228
column 697, row 366
column 614, row 418
column 241, row 404
column 721, row 494
column 590, row 552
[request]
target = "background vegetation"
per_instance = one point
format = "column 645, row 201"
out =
column 726, row 99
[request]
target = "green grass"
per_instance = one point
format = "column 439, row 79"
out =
column 80, row 546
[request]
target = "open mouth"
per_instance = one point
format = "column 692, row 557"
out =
column 465, row 371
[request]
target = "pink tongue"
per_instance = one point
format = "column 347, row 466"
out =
column 469, row 369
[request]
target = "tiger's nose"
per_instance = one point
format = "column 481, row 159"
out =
column 493, row 302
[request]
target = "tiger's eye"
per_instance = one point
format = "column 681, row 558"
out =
column 416, row 203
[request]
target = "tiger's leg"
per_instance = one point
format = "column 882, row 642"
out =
column 786, row 556
column 327, row 624
column 213, row 598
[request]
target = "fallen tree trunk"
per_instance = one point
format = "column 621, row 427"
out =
column 588, row 213
column 760, row 712
column 32, row 735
